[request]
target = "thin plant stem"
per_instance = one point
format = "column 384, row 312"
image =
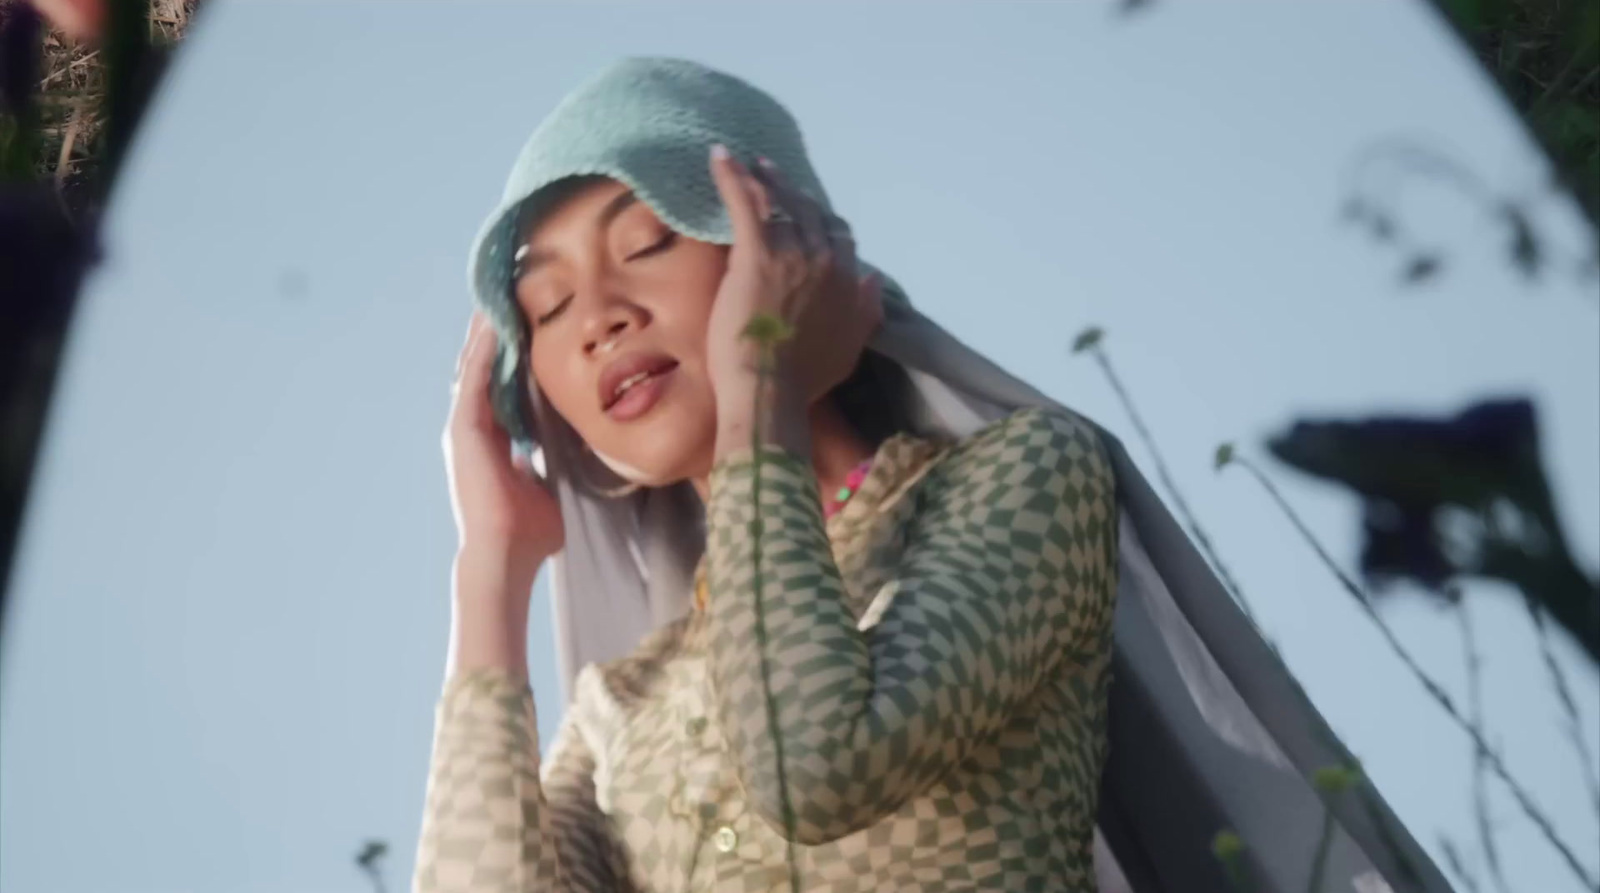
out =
column 369, row 860
column 1319, row 862
column 1089, row 340
column 1167, row 481
column 1569, row 705
column 756, row 531
column 1330, row 782
column 1480, row 792
column 1535, row 814
column 1228, row 847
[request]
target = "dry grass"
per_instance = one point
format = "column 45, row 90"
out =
column 72, row 96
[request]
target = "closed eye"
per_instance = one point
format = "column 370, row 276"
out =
column 661, row 244
column 553, row 312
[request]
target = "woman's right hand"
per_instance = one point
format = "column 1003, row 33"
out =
column 508, row 523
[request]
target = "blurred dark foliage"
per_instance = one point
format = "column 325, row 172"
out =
column 48, row 224
column 1545, row 57
column 1465, row 496
column 1378, row 178
column 20, row 28
column 43, row 255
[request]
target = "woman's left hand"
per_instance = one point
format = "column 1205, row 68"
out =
column 792, row 260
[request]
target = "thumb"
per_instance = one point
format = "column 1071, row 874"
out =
column 728, row 176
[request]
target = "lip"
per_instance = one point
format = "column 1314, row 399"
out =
column 641, row 396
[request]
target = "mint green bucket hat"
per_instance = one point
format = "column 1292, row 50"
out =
column 648, row 122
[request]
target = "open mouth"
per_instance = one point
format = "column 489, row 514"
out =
column 633, row 386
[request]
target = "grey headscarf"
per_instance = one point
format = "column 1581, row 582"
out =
column 1208, row 731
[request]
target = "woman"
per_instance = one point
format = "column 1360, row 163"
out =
column 891, row 676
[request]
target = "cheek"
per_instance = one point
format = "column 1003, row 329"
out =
column 562, row 387
column 693, row 293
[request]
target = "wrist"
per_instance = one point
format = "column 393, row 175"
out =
column 493, row 576
column 488, row 617
column 768, row 409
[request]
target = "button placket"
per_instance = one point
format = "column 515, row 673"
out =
column 698, row 767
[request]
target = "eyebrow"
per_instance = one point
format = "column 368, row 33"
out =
column 527, row 259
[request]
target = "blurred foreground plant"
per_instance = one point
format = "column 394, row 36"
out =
column 1378, row 178
column 67, row 111
column 368, row 859
column 1451, row 498
column 1535, row 813
column 767, row 331
column 1228, row 846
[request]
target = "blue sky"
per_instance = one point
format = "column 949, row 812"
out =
column 229, row 613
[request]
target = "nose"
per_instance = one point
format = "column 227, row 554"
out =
column 611, row 321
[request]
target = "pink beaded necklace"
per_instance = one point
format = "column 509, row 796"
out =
column 852, row 483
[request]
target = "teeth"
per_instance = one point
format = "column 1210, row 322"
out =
column 629, row 382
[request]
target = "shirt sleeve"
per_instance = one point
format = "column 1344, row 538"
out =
column 1009, row 570
column 490, row 825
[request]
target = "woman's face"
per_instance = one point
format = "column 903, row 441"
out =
column 617, row 305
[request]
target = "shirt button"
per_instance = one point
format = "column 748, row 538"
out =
column 695, row 727
column 726, row 839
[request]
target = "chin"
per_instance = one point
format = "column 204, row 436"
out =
column 668, row 450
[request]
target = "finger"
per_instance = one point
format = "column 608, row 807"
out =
column 807, row 211
column 808, row 219
column 760, row 196
column 844, row 247
column 743, row 215
column 472, row 329
column 760, row 199
column 471, row 390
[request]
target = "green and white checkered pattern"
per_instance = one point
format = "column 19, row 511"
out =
column 939, row 657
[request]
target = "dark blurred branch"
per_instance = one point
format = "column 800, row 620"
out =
column 1379, row 172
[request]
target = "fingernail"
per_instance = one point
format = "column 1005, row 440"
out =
column 719, row 151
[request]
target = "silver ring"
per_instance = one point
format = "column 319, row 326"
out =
column 778, row 215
